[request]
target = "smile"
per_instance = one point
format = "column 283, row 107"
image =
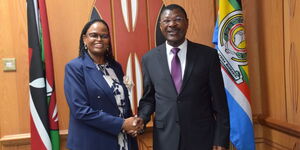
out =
column 99, row 45
column 173, row 32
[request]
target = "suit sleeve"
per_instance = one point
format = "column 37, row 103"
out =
column 147, row 102
column 76, row 95
column 219, row 102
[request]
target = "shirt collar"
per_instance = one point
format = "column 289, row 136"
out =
column 183, row 46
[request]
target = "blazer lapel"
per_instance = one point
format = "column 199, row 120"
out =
column 97, row 76
column 164, row 64
column 190, row 61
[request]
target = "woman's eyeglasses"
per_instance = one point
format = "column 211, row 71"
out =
column 96, row 36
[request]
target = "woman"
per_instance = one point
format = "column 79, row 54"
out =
column 96, row 95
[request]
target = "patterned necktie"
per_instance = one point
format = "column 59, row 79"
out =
column 176, row 69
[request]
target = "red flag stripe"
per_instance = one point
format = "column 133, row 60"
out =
column 53, row 122
column 36, row 141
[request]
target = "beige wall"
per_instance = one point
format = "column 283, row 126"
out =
column 273, row 50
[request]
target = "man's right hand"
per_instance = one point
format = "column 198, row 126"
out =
column 133, row 126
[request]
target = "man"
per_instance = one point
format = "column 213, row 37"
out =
column 183, row 85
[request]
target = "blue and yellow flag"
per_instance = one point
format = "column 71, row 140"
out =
column 229, row 38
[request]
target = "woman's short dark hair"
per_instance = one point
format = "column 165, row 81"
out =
column 108, row 55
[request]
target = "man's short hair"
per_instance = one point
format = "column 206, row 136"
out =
column 172, row 7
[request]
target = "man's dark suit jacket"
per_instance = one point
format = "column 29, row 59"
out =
column 194, row 119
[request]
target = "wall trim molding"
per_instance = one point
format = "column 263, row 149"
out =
column 282, row 126
column 260, row 140
column 24, row 139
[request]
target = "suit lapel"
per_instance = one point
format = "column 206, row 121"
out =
column 164, row 64
column 190, row 61
column 97, row 76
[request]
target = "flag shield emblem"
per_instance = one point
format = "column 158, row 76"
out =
column 232, row 45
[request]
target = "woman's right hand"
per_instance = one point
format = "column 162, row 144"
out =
column 133, row 125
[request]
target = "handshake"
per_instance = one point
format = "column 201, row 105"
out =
column 133, row 126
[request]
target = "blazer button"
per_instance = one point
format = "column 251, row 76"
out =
column 178, row 102
column 98, row 97
column 177, row 123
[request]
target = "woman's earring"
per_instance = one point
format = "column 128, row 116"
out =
column 107, row 51
column 85, row 47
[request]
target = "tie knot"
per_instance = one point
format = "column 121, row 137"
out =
column 175, row 50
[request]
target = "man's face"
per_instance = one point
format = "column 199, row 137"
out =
column 173, row 25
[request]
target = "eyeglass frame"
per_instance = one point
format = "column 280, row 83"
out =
column 102, row 36
column 177, row 20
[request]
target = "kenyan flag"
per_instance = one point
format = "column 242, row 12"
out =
column 43, row 109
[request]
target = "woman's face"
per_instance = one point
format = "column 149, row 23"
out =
column 97, row 39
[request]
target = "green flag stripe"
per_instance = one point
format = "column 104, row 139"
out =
column 245, row 76
column 48, row 99
column 42, row 46
column 55, row 139
column 235, row 4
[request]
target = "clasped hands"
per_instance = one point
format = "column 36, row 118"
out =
column 133, row 126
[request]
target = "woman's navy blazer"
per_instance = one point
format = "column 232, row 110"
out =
column 94, row 123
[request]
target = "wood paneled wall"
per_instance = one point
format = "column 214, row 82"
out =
column 272, row 29
column 14, row 103
column 279, row 53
